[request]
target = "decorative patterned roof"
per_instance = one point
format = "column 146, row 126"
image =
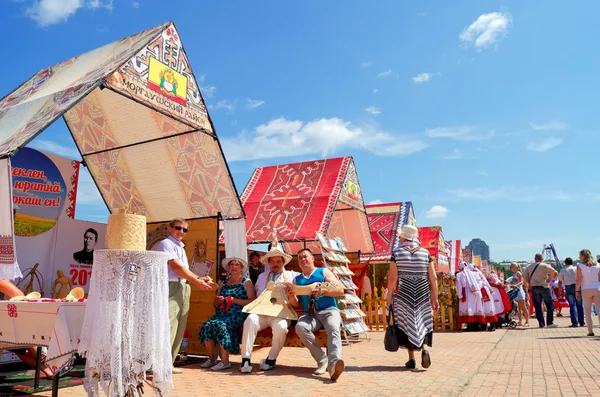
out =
column 146, row 142
column 385, row 222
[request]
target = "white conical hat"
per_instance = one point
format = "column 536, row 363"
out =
column 275, row 251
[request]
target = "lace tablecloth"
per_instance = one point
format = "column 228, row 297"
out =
column 55, row 325
column 126, row 326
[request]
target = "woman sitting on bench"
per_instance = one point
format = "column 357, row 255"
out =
column 224, row 327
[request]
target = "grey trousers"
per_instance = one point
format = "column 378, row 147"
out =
column 331, row 321
column 179, row 308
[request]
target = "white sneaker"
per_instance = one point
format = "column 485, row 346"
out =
column 208, row 364
column 321, row 369
column 246, row 368
column 220, row 366
column 553, row 325
column 264, row 366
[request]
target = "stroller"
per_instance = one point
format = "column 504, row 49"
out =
column 509, row 318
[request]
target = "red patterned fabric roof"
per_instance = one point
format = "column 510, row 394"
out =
column 383, row 223
column 432, row 239
column 298, row 199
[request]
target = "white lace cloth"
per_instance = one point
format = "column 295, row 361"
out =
column 126, row 326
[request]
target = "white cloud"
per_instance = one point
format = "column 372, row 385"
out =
column 544, row 145
column 437, row 211
column 49, row 12
column 94, row 4
column 510, row 194
column 424, row 77
column 373, row 110
column 56, row 148
column 208, row 91
column 460, row 133
column 366, row 64
column 200, row 78
column 136, row 4
column 375, row 91
column 386, row 73
column 376, row 201
column 487, row 30
column 223, row 104
column 483, row 173
column 455, row 155
column 553, row 125
column 254, row 103
column 283, row 138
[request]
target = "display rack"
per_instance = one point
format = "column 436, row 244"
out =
column 334, row 259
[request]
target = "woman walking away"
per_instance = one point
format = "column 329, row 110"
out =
column 517, row 282
column 588, row 282
column 414, row 276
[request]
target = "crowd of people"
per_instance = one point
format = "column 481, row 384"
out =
column 412, row 284
column 411, row 296
column 484, row 299
column 230, row 327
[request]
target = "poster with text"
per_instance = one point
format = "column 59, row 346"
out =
column 44, row 192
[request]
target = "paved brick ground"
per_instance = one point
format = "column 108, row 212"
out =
column 523, row 362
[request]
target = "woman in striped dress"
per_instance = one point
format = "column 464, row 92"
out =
column 414, row 277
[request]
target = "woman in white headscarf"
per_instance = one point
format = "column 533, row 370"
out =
column 469, row 293
column 489, row 307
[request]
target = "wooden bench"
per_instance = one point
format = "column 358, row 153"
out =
column 263, row 338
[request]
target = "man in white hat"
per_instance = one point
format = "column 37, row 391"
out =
column 276, row 259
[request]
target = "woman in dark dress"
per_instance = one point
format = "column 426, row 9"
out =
column 414, row 276
column 223, row 328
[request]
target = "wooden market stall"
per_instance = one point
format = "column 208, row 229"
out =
column 304, row 199
column 137, row 116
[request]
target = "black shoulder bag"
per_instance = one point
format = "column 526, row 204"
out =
column 390, row 341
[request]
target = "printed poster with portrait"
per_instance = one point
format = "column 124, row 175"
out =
column 74, row 254
column 44, row 200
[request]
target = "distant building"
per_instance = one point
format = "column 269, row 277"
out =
column 479, row 247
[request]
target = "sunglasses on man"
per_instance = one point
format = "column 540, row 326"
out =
column 180, row 228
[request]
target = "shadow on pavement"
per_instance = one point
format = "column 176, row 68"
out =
column 383, row 368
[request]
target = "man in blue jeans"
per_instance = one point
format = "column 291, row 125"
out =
column 568, row 277
column 536, row 276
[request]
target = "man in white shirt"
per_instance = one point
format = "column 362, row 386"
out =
column 568, row 277
column 180, row 277
column 276, row 259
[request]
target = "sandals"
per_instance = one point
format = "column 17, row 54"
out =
column 591, row 333
column 425, row 359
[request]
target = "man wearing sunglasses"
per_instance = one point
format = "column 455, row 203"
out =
column 180, row 277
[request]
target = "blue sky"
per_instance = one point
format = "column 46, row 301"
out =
column 483, row 114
